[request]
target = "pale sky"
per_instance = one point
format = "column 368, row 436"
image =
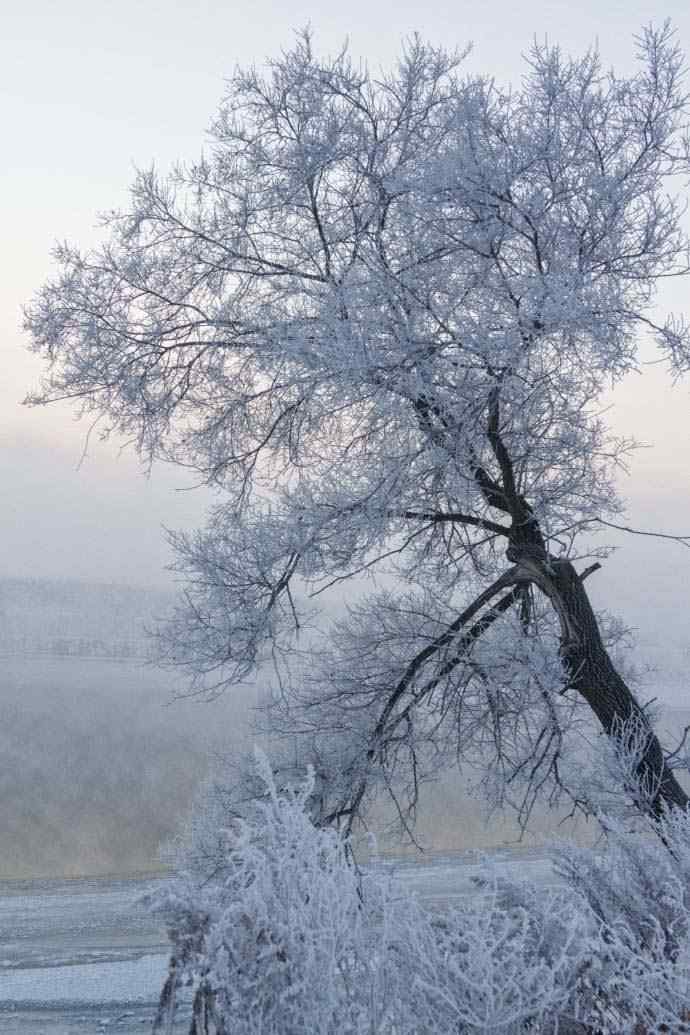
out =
column 91, row 88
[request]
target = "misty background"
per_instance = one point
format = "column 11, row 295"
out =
column 98, row 759
column 102, row 753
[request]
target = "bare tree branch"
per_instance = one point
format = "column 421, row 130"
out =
column 683, row 540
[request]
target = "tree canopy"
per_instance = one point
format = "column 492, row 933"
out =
column 379, row 315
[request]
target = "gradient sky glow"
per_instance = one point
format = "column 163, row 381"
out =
column 91, row 88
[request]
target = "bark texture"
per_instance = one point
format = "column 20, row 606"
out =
column 593, row 674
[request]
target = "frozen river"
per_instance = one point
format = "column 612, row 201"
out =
column 82, row 957
column 78, row 956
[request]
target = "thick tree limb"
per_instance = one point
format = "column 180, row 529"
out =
column 442, row 641
column 464, row 643
column 454, row 517
column 379, row 738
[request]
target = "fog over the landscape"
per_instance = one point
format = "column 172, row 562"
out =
column 96, row 764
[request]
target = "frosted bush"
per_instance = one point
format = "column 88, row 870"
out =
column 289, row 937
column 508, row 961
column 638, row 890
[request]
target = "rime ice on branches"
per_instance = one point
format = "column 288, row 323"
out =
column 379, row 316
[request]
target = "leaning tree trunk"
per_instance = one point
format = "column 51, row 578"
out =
column 594, row 676
column 590, row 669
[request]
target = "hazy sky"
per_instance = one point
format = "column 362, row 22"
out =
column 91, row 88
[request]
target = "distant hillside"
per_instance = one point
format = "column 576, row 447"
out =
column 69, row 618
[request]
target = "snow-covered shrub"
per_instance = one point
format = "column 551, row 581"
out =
column 276, row 931
column 507, row 961
column 287, row 936
column 638, row 890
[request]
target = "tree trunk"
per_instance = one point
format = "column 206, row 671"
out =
column 593, row 675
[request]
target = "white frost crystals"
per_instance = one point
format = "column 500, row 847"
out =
column 290, row 938
column 287, row 937
column 378, row 317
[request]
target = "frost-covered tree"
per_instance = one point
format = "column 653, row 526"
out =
column 379, row 316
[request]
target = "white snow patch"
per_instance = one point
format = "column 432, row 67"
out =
column 123, row 981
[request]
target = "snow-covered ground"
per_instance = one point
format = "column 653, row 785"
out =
column 78, row 956
column 82, row 956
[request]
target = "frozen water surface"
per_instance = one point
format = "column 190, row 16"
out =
column 78, row 956
column 82, row 956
